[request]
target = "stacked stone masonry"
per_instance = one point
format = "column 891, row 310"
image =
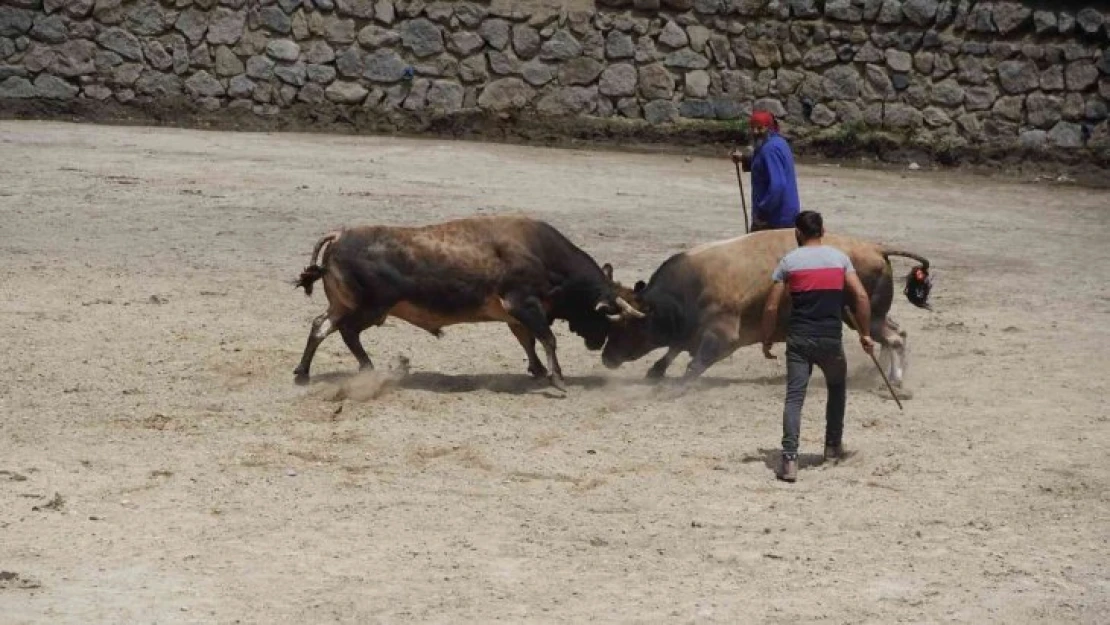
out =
column 960, row 71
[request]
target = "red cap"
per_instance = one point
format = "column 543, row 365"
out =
column 763, row 119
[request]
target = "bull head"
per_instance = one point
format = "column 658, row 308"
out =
column 654, row 322
column 623, row 310
column 589, row 304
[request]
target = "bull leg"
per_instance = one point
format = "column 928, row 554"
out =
column 893, row 341
column 885, row 357
column 709, row 351
column 529, row 312
column 716, row 343
column 322, row 326
column 885, row 331
column 711, row 347
column 556, row 375
column 659, row 369
column 904, row 355
column 350, row 334
column 528, row 342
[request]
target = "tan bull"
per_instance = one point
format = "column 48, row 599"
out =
column 709, row 301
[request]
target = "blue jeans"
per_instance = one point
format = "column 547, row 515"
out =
column 801, row 355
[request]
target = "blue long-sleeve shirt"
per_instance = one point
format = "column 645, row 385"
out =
column 774, row 185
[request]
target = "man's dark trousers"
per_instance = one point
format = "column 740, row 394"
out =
column 801, row 354
column 765, row 226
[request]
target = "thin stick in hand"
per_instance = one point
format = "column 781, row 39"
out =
column 852, row 323
column 888, row 386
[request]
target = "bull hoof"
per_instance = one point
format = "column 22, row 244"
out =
column 656, row 373
column 301, row 379
column 557, row 382
column 903, row 393
column 538, row 371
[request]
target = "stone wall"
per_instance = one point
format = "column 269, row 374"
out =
column 951, row 73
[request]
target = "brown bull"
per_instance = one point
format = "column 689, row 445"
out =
column 709, row 301
column 515, row 270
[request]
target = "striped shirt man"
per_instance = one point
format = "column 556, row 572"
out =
column 815, row 277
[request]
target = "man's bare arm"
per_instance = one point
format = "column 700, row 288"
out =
column 771, row 316
column 862, row 309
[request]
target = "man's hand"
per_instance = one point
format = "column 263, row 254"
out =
column 742, row 158
column 867, row 344
column 767, row 351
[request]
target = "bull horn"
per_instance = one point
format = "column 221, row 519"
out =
column 628, row 309
column 602, row 307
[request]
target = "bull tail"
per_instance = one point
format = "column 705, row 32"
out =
column 887, row 253
column 318, row 260
column 918, row 283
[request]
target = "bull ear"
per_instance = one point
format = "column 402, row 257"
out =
column 607, row 269
column 640, row 285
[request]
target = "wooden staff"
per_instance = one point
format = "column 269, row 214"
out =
column 852, row 323
column 743, row 198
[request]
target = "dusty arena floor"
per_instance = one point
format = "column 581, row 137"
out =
column 157, row 464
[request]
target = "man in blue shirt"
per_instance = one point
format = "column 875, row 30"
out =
column 774, row 186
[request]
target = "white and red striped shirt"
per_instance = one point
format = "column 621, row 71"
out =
column 815, row 276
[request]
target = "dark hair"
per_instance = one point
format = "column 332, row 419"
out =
column 810, row 224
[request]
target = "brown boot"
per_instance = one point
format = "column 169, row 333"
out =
column 833, row 453
column 789, row 472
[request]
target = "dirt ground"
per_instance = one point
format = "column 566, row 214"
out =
column 157, row 464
